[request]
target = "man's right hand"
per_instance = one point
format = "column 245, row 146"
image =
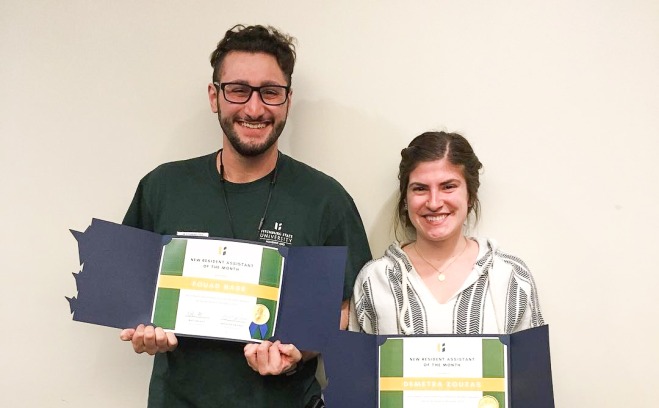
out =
column 149, row 339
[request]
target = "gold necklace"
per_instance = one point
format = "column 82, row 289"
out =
column 440, row 274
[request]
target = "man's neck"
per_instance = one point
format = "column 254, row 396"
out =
column 244, row 169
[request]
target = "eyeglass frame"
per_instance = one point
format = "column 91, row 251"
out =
column 257, row 89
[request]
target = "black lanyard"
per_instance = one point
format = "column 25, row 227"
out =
column 273, row 180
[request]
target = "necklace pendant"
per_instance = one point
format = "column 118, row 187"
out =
column 441, row 277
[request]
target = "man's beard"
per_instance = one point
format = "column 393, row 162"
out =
column 245, row 149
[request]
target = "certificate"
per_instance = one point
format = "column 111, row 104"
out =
column 451, row 372
column 216, row 288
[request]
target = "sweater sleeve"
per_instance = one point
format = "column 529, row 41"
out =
column 523, row 304
column 361, row 307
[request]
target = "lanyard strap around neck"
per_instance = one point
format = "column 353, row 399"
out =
column 273, row 181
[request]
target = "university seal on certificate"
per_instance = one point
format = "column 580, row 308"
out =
column 488, row 401
column 259, row 326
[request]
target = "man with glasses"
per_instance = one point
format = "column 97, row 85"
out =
column 247, row 190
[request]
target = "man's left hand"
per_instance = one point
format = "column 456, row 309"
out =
column 268, row 358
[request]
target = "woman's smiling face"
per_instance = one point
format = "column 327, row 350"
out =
column 437, row 200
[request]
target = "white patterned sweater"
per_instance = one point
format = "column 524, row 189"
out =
column 498, row 297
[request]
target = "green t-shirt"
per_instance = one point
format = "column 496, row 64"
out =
column 307, row 207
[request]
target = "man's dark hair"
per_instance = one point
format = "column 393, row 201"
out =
column 254, row 39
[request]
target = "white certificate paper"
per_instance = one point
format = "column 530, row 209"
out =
column 447, row 372
column 220, row 289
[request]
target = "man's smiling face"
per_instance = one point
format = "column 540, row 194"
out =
column 253, row 127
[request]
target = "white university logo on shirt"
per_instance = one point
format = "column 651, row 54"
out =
column 277, row 235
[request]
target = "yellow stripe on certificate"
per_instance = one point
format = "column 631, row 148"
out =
column 216, row 285
column 441, row 384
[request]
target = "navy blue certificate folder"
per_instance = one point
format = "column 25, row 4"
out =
column 119, row 271
column 116, row 288
column 351, row 363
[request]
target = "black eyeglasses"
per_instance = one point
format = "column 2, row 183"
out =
column 240, row 93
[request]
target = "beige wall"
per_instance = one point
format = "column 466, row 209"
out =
column 560, row 99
